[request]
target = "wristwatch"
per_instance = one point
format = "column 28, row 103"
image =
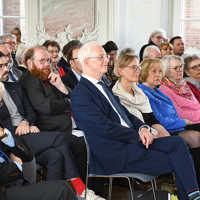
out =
column 145, row 126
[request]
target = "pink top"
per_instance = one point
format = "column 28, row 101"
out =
column 187, row 108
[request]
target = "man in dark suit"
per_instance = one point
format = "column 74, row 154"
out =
column 73, row 75
column 17, row 115
column 120, row 142
column 13, row 152
column 49, row 99
column 14, row 73
column 64, row 62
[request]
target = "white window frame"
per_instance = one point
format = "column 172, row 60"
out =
column 178, row 25
column 21, row 17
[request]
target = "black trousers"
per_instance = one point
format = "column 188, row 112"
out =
column 53, row 190
column 51, row 149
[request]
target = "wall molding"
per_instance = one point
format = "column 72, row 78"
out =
column 104, row 27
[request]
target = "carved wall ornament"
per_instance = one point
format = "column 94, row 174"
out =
column 67, row 35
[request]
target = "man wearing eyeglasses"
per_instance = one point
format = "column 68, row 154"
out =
column 46, row 91
column 49, row 98
column 8, row 49
column 119, row 142
column 73, row 74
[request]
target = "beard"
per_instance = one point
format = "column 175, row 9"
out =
column 42, row 74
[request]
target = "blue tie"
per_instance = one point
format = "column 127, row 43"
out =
column 114, row 102
column 12, row 77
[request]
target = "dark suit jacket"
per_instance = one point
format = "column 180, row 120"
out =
column 21, row 101
column 110, row 142
column 143, row 48
column 69, row 79
column 50, row 105
column 9, row 172
column 64, row 64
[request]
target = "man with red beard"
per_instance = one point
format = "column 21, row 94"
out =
column 49, row 99
column 46, row 92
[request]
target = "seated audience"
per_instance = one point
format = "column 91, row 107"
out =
column 11, row 43
column 63, row 62
column 178, row 45
column 14, row 73
column 20, row 46
column 192, row 69
column 176, row 88
column 127, row 69
column 13, row 153
column 53, row 48
column 120, row 142
column 17, row 32
column 73, row 75
column 111, row 50
column 166, row 49
column 127, row 51
column 48, row 97
column 151, row 51
column 164, row 110
column 156, row 38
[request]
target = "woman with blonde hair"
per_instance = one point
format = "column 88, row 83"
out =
column 165, row 49
column 127, row 69
column 164, row 110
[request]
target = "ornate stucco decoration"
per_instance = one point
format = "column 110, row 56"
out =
column 67, row 35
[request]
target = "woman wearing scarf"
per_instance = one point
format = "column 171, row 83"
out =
column 127, row 69
column 164, row 109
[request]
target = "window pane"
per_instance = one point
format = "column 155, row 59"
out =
column 191, row 9
column 57, row 14
column 191, row 34
column 11, row 7
column 10, row 23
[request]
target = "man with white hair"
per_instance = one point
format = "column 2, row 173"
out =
column 119, row 142
column 8, row 47
column 151, row 51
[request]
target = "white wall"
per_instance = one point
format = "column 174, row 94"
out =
column 138, row 18
column 127, row 22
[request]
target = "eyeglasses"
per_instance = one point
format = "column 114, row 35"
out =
column 135, row 67
column 195, row 67
column 177, row 68
column 8, row 55
column 51, row 52
column 10, row 43
column 74, row 59
column 43, row 61
column 99, row 57
column 5, row 65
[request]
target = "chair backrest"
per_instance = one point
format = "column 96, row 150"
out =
column 88, row 158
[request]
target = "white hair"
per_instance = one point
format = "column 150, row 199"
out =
column 85, row 51
column 3, row 38
column 157, row 31
column 148, row 49
column 166, row 61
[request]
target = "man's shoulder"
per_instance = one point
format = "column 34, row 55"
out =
column 27, row 78
column 83, row 87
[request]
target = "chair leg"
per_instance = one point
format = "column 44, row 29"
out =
column 130, row 187
column 154, row 186
column 110, row 188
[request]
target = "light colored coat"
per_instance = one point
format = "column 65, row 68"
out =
column 136, row 104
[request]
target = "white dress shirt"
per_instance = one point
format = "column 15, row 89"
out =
column 95, row 82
